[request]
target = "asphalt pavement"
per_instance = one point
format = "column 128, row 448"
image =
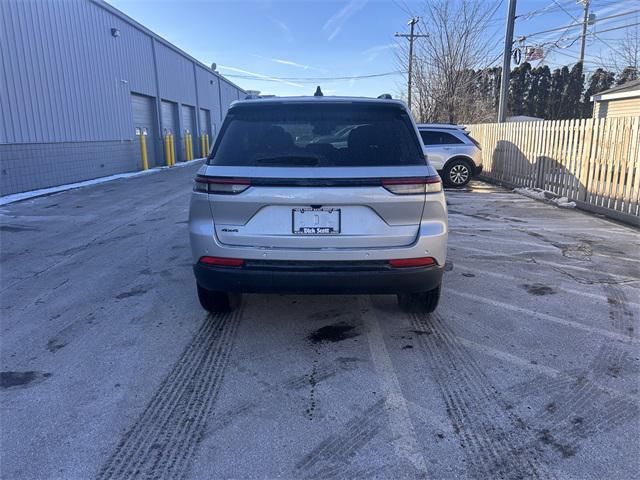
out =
column 529, row 368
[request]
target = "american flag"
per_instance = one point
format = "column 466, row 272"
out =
column 533, row 53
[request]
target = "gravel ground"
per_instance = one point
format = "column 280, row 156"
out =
column 110, row 368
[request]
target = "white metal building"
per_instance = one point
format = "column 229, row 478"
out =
column 79, row 77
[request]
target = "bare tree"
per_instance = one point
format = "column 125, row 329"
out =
column 625, row 56
column 446, row 62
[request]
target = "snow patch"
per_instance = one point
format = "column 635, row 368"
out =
column 563, row 202
column 16, row 197
column 545, row 196
column 531, row 193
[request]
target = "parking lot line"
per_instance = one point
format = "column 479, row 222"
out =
column 613, row 276
column 545, row 316
column 492, row 273
column 404, row 435
column 535, row 367
column 483, row 236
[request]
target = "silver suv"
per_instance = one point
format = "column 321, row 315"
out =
column 452, row 151
column 318, row 195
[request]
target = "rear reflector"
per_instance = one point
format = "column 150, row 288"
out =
column 413, row 262
column 221, row 185
column 221, row 261
column 413, row 185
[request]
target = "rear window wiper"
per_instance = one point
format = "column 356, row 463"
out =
column 286, row 160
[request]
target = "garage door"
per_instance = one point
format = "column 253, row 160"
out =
column 170, row 124
column 189, row 124
column 205, row 125
column 144, row 119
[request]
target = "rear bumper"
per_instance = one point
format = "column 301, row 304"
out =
column 315, row 278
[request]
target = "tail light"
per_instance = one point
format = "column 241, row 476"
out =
column 412, row 262
column 413, row 185
column 221, row 185
column 222, row 261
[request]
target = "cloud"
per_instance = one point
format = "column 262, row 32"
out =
column 290, row 63
column 336, row 22
column 259, row 76
column 373, row 52
column 283, row 62
column 286, row 31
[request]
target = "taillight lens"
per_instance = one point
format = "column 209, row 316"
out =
column 222, row 261
column 413, row 262
column 221, row 185
column 413, row 185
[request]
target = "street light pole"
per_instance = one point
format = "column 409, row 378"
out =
column 506, row 62
column 411, row 36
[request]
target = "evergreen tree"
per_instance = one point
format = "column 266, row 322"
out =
column 542, row 76
column 554, row 104
column 627, row 75
column 572, row 93
column 599, row 81
column 519, row 85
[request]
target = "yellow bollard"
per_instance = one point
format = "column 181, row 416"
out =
column 172, row 151
column 189, row 147
column 206, row 144
column 167, row 151
column 202, row 150
column 143, row 152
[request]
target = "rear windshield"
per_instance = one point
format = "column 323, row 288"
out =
column 317, row 135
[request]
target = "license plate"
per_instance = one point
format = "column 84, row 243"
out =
column 316, row 221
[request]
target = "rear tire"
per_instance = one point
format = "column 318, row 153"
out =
column 457, row 173
column 217, row 302
column 422, row 302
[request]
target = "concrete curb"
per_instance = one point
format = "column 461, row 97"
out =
column 18, row 197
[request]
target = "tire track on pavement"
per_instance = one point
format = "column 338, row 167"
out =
column 163, row 441
column 620, row 313
column 488, row 431
column 577, row 408
column 332, row 456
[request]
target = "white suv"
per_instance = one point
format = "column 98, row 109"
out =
column 452, row 151
column 318, row 195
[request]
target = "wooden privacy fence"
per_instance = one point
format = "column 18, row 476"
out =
column 595, row 162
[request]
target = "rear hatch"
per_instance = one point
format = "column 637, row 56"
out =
column 317, row 174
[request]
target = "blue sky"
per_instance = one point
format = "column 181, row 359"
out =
column 275, row 43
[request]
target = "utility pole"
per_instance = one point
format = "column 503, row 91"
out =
column 585, row 20
column 411, row 36
column 506, row 62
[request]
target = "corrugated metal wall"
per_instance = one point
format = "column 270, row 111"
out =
column 67, row 79
column 228, row 94
column 208, row 93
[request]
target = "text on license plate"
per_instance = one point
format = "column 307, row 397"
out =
column 316, row 221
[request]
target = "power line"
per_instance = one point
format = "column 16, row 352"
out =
column 317, row 79
column 619, row 28
column 578, row 24
column 556, row 46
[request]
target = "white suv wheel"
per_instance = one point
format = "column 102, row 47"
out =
column 459, row 174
